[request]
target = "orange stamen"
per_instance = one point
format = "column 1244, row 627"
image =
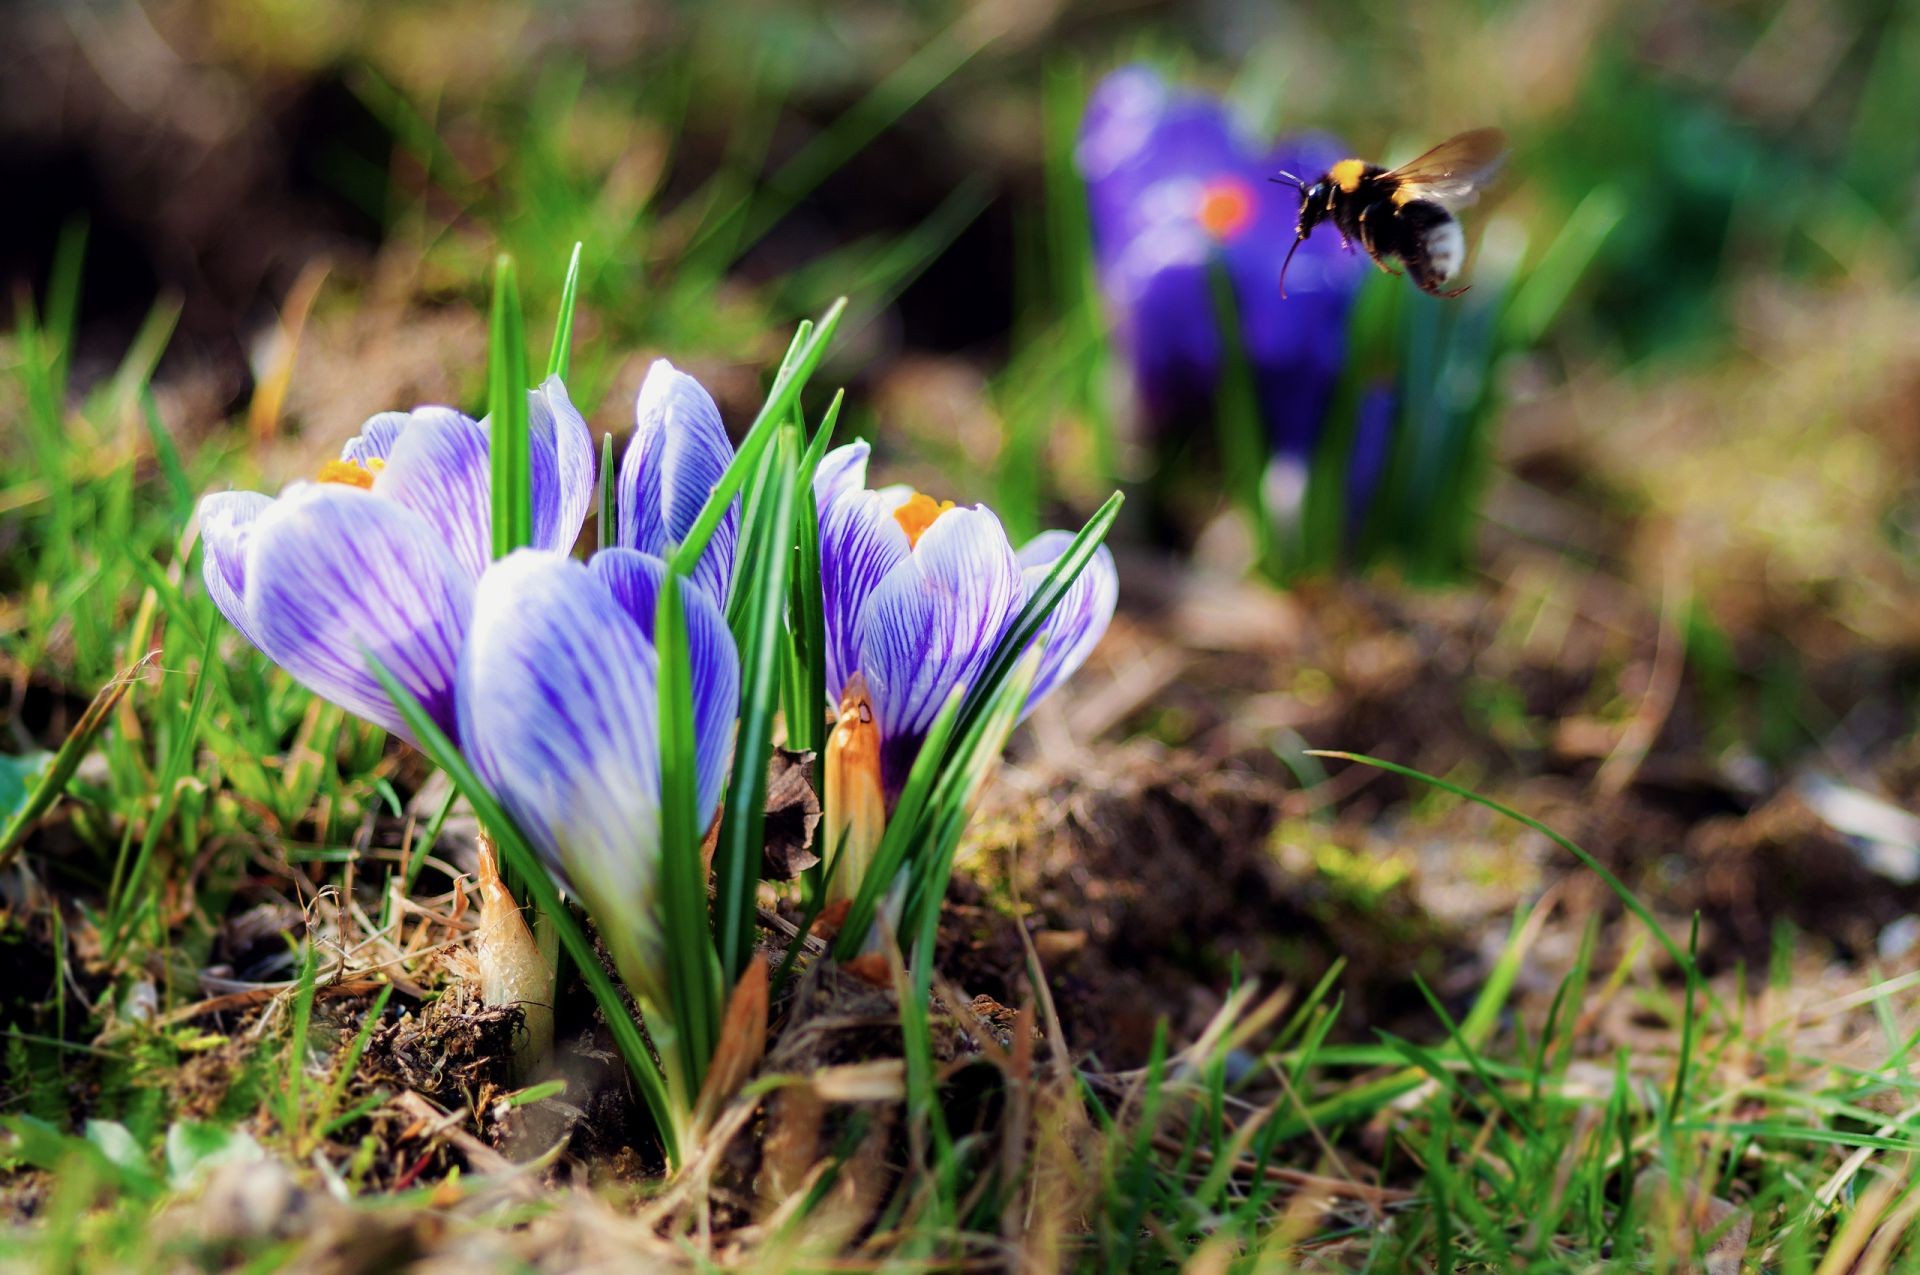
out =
column 918, row 514
column 1226, row 207
column 352, row 473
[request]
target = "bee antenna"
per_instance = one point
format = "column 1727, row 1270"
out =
column 1288, row 179
column 1289, row 261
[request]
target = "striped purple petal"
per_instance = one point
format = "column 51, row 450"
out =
column 561, row 450
column 860, row 543
column 931, row 624
column 375, row 439
column 227, row 521
column 678, row 452
column 335, row 574
column 1079, row 621
column 438, row 467
column 841, row 470
column 558, row 715
column 634, row 579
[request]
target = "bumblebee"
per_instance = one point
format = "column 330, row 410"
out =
column 1404, row 213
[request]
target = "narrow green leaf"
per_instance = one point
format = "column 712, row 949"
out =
column 806, row 663
column 963, row 777
column 608, row 525
column 507, row 415
column 1032, row 617
column 561, row 354
column 736, row 860
column 903, row 824
column 167, row 455
column 63, row 299
column 1243, row 435
column 693, row 974
column 802, row 358
column 514, row 849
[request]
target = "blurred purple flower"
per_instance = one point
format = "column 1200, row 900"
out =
column 1372, row 446
column 381, row 554
column 1174, row 183
column 918, row 593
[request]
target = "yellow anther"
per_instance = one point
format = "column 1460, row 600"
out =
column 351, row 472
column 918, row 514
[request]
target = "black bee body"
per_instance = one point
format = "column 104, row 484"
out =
column 1404, row 214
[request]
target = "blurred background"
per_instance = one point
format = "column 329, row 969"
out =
column 1684, row 624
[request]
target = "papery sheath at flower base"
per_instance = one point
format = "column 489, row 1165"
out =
column 916, row 596
column 558, row 697
column 380, row 554
column 1174, row 186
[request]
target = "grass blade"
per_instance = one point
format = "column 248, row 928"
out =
column 507, row 414
column 1032, row 617
column 693, row 976
column 763, row 585
column 561, row 355
column 54, row 781
column 802, row 359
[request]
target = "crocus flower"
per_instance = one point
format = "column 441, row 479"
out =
column 916, row 596
column 380, row 554
column 1175, row 185
column 558, row 711
column 678, row 452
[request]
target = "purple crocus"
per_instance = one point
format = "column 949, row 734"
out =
column 1174, row 185
column 558, row 710
column 678, row 452
column 380, row 555
column 917, row 593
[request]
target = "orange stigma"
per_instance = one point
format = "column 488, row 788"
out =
column 1226, row 207
column 918, row 514
column 352, row 473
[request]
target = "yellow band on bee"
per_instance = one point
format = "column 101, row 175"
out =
column 1347, row 174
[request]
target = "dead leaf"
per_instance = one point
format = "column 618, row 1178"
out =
column 793, row 813
column 743, row 1040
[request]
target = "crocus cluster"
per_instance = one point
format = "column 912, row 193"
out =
column 539, row 666
column 918, row 593
column 542, row 667
column 1177, row 190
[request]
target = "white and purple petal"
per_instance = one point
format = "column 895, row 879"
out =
column 335, row 574
column 558, row 714
column 439, row 467
column 375, row 439
column 678, row 452
column 860, row 543
column 841, row 470
column 1081, row 618
column 634, row 578
column 561, row 449
column 227, row 521
column 931, row 624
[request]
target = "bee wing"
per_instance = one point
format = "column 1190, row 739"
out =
column 1452, row 173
